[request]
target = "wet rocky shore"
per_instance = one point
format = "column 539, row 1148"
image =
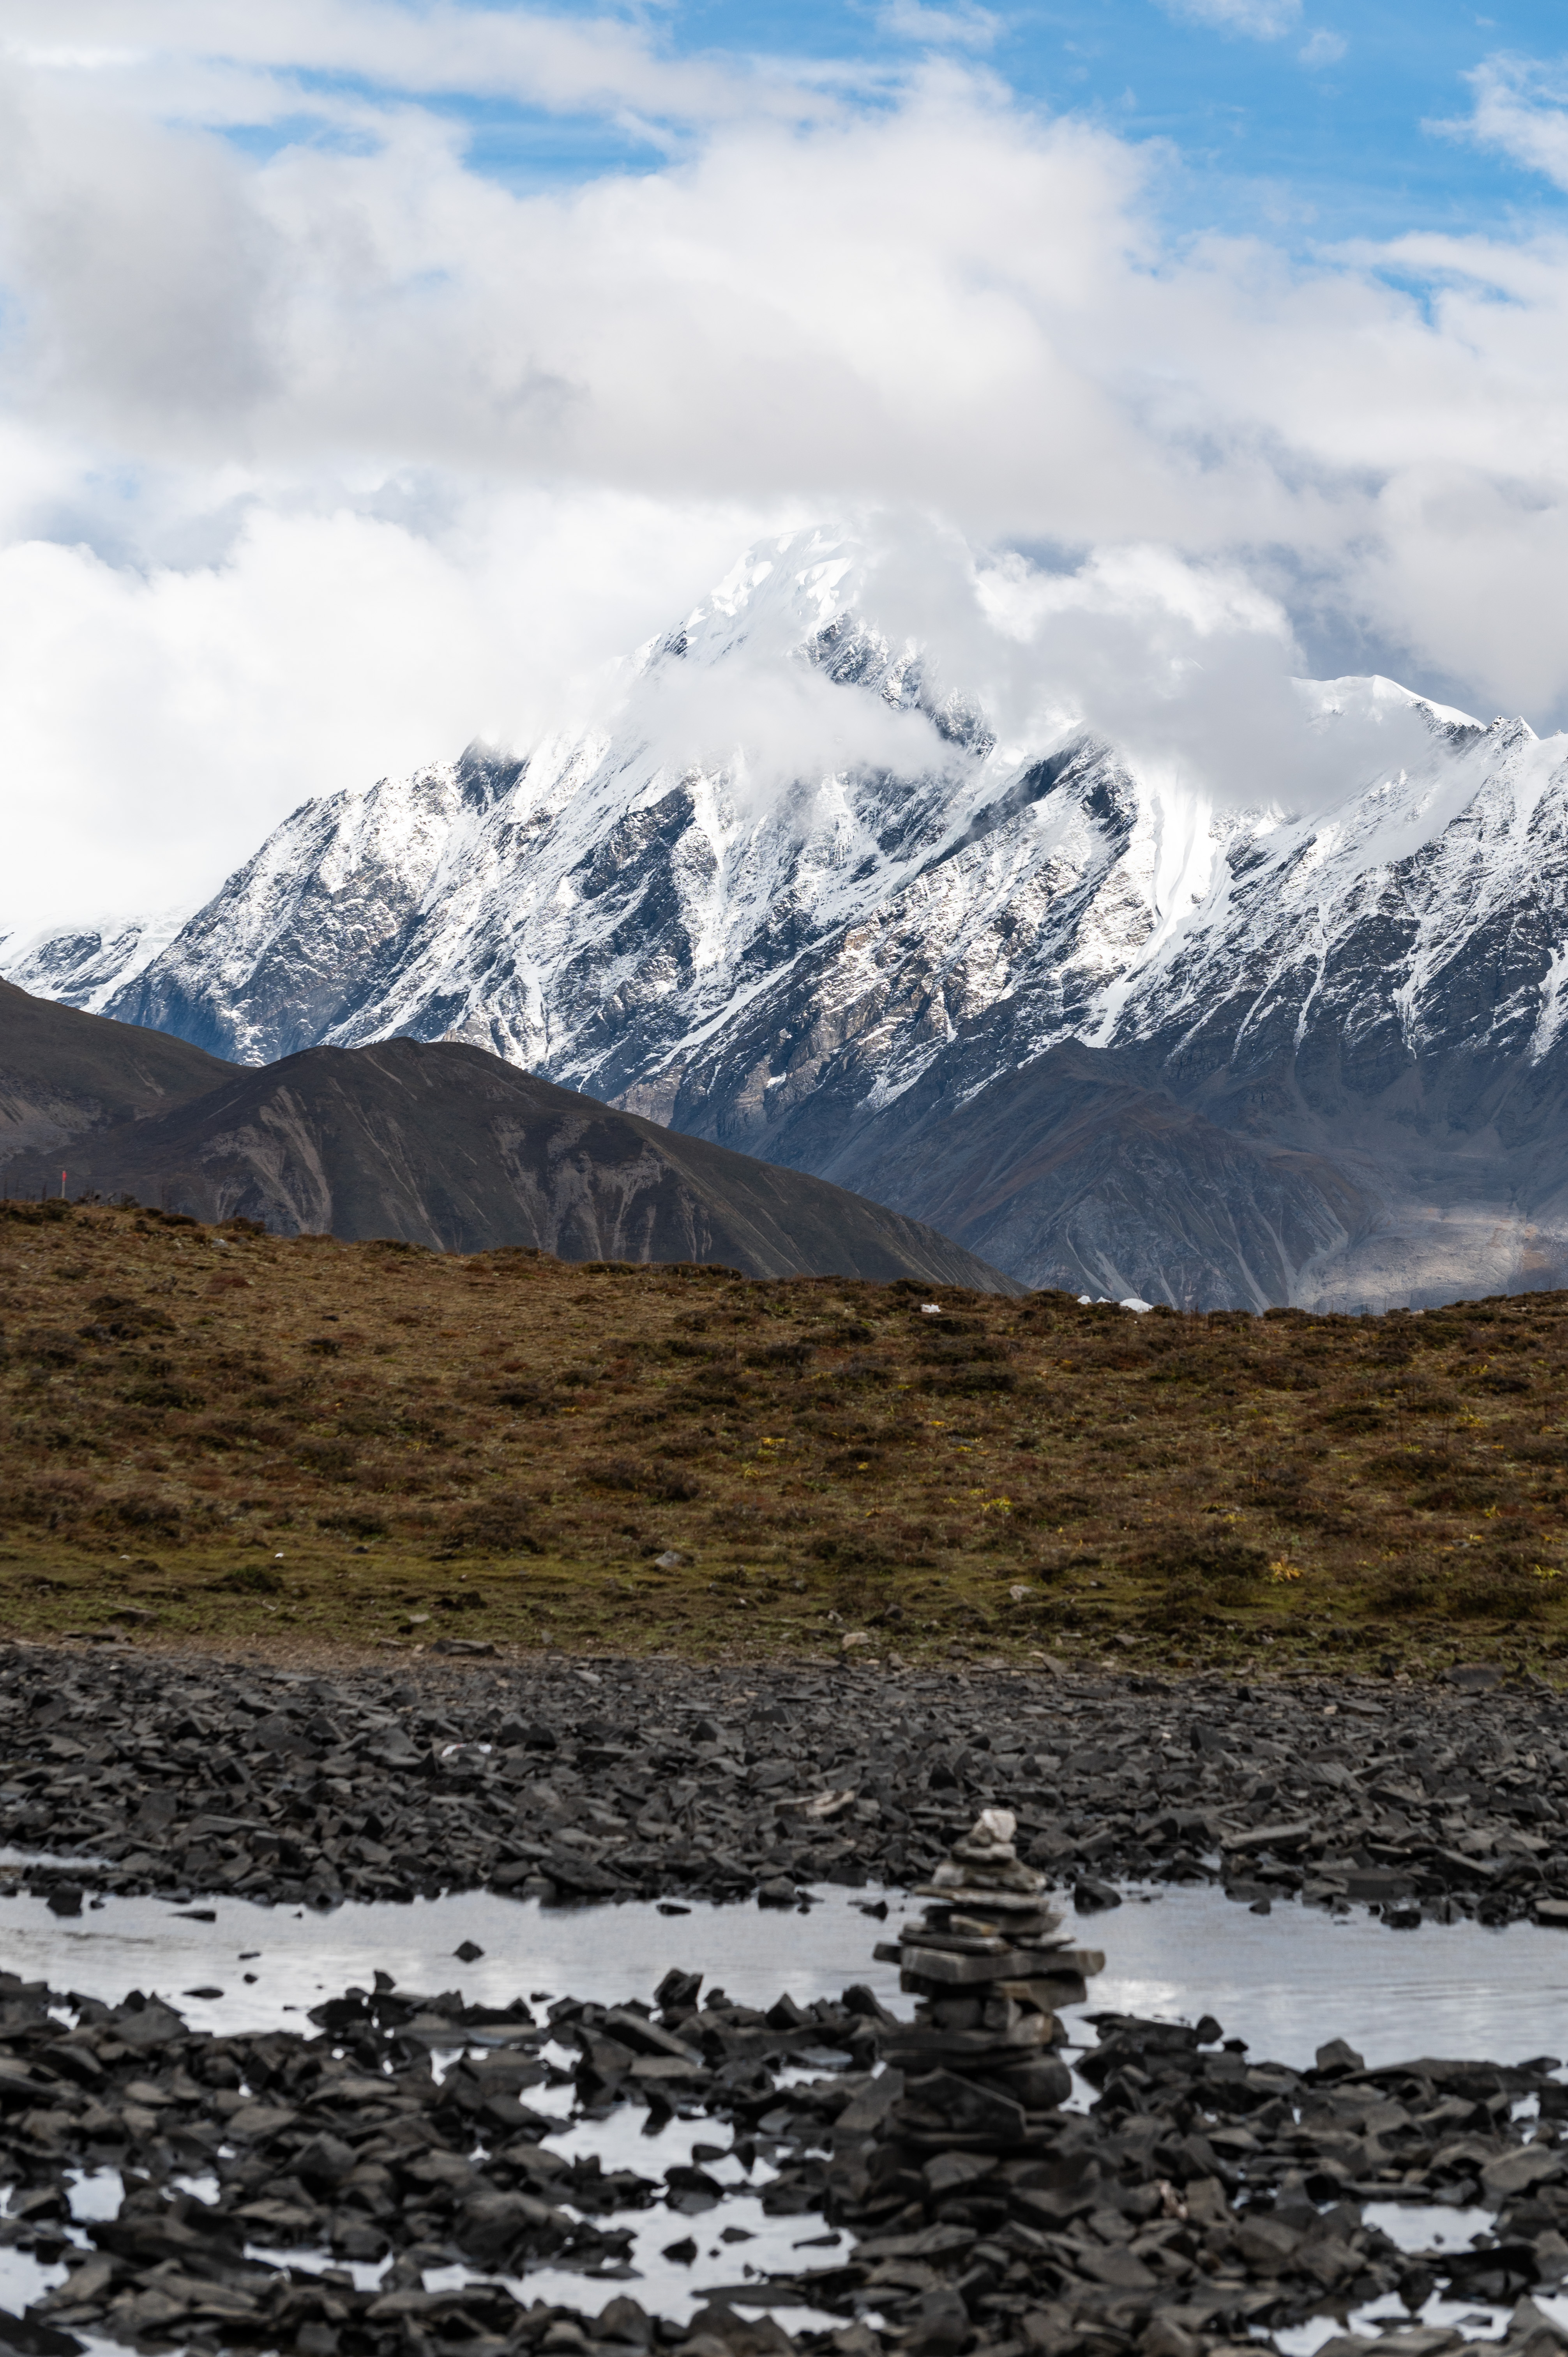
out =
column 1000, row 2171
column 382, row 2182
column 579, row 1781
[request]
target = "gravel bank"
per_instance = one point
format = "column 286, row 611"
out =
column 650, row 1778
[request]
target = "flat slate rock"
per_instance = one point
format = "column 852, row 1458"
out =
column 674, row 1782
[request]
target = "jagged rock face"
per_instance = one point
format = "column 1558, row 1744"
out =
column 1099, row 1031
column 89, row 964
column 301, row 946
column 594, row 911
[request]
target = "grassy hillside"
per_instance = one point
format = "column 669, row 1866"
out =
column 222, row 1437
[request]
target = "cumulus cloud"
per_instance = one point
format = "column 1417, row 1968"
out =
column 145, row 271
column 772, row 725
column 321, row 452
column 1521, row 109
column 156, row 724
column 1189, row 669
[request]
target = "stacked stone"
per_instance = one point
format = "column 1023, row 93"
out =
column 988, row 1973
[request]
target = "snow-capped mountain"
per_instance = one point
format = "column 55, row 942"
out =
column 800, row 894
column 90, row 964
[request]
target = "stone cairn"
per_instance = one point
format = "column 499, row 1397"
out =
column 988, row 1974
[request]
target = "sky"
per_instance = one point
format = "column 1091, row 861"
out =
column 374, row 375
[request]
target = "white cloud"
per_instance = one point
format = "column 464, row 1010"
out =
column 1262, row 20
column 1186, row 667
column 1322, row 48
column 318, row 459
column 966, row 27
column 569, row 63
column 1521, row 109
column 154, row 725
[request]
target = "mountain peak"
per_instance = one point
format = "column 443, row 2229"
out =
column 796, row 894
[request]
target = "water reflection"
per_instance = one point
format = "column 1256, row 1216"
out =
column 1286, row 1983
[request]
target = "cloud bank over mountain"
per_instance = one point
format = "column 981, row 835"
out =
column 324, row 448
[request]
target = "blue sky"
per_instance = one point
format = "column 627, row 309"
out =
column 1325, row 131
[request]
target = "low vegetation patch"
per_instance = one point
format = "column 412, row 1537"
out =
column 215, row 1435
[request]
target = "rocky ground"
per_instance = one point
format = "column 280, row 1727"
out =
column 1200, row 2196
column 646, row 1780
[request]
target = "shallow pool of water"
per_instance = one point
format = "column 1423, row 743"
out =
column 273, row 1964
column 1428, row 2225
column 1286, row 1983
column 1290, row 1981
